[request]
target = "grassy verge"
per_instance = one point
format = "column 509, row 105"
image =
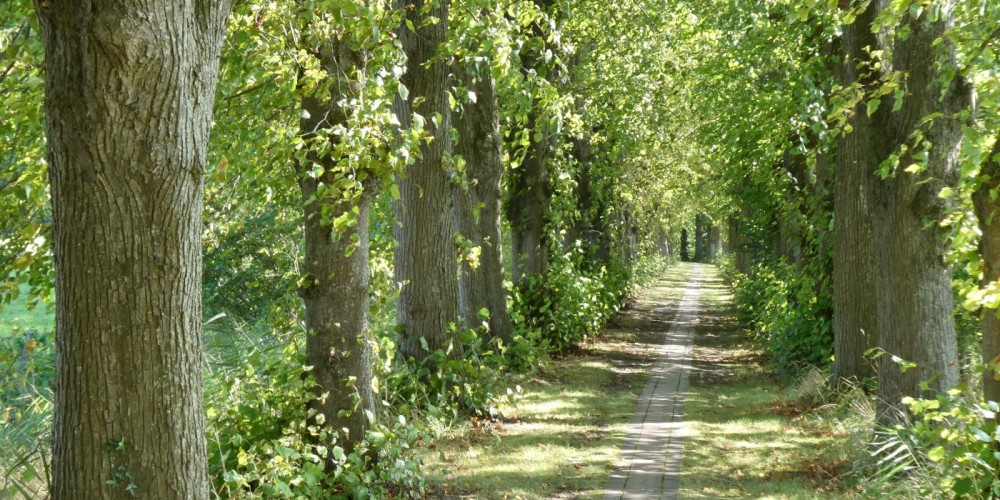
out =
column 563, row 438
column 26, row 370
column 17, row 317
column 747, row 435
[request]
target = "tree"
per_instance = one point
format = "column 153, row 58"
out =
column 478, row 204
column 700, row 238
column 129, row 95
column 530, row 187
column 919, row 144
column 685, row 256
column 337, row 196
column 854, row 291
column 987, row 204
column 425, row 258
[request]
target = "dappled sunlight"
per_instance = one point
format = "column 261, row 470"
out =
column 736, row 444
column 574, row 414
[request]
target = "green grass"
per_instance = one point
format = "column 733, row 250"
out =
column 16, row 317
column 746, row 435
column 25, row 398
column 563, row 439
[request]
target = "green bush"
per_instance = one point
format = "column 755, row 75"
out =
column 569, row 303
column 264, row 442
column 449, row 387
column 948, row 448
column 788, row 312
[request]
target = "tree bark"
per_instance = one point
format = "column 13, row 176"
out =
column 699, row 238
column 714, row 241
column 707, row 239
column 530, row 188
column 335, row 292
column 797, row 209
column 685, row 256
column 425, row 258
column 530, row 192
column 987, row 203
column 129, row 90
column 742, row 254
column 915, row 310
column 854, row 276
column 662, row 243
column 479, row 208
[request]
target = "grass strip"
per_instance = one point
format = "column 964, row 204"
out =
column 748, row 435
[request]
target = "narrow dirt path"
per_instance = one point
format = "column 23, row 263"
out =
column 649, row 466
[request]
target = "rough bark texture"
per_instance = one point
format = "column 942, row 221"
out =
column 742, row 255
column 662, row 242
column 854, row 291
column 530, row 190
column 797, row 202
column 685, row 256
column 915, row 310
column 426, row 255
column 478, row 209
column 129, row 89
column 591, row 227
column 987, row 204
column 714, row 241
column 336, row 264
column 700, row 238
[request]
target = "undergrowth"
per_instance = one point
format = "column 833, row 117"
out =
column 264, row 442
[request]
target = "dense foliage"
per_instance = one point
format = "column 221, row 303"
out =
column 719, row 118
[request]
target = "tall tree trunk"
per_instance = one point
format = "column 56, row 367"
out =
column 714, row 241
column 743, row 256
column 530, row 188
column 425, row 258
column 987, row 204
column 700, row 237
column 530, row 192
column 854, row 292
column 915, row 310
column 685, row 256
column 479, row 207
column 585, row 224
column 662, row 243
column 797, row 206
column 336, row 262
column 129, row 89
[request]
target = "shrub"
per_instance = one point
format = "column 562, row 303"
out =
column 789, row 312
column 950, row 447
column 448, row 387
column 569, row 303
column 264, row 442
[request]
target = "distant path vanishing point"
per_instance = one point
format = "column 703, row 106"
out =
column 649, row 466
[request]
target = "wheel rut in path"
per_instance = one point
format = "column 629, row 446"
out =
column 649, row 466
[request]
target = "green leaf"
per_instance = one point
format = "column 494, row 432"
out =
column 962, row 486
column 873, row 106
